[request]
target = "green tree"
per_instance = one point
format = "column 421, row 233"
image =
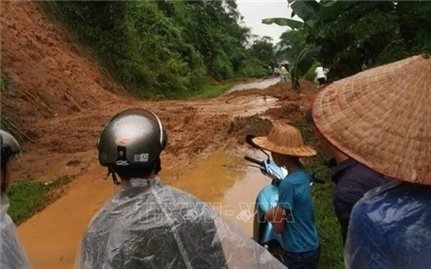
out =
column 160, row 47
column 291, row 43
column 263, row 50
column 352, row 35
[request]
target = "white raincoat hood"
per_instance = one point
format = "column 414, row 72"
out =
column 12, row 255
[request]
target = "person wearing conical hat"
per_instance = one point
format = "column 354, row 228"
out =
column 294, row 215
column 382, row 118
column 352, row 180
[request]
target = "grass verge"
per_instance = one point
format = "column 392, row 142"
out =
column 327, row 223
column 28, row 196
column 213, row 90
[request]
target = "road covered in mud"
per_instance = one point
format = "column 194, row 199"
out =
column 59, row 100
column 203, row 157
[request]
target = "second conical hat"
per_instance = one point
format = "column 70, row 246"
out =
column 382, row 118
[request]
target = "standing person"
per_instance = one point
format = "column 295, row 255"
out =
column 320, row 75
column 381, row 118
column 294, row 215
column 284, row 73
column 12, row 255
column 276, row 72
column 150, row 225
column 270, row 70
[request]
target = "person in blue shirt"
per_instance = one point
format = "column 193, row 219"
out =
column 293, row 217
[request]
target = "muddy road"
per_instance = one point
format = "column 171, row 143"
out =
column 258, row 84
column 59, row 99
column 203, row 157
column 52, row 237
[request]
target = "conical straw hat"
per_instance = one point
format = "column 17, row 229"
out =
column 382, row 118
column 284, row 139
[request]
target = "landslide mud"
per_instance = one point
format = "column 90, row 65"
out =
column 59, row 100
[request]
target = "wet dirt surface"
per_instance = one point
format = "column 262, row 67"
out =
column 59, row 100
column 237, row 105
column 227, row 183
column 52, row 237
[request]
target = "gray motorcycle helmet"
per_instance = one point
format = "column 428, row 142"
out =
column 133, row 138
column 9, row 147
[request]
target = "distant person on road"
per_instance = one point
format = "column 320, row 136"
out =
column 12, row 255
column 284, row 74
column 294, row 215
column 381, row 118
column 277, row 72
column 320, row 75
column 270, row 70
column 151, row 225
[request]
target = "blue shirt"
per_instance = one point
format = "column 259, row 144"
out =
column 300, row 233
column 390, row 228
column 352, row 181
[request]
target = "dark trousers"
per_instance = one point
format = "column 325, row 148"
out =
column 321, row 81
column 302, row 260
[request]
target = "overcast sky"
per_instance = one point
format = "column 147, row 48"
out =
column 256, row 10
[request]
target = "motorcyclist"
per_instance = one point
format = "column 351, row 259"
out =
column 150, row 225
column 293, row 217
column 12, row 255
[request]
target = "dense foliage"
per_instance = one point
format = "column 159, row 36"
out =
column 350, row 36
column 263, row 50
column 367, row 34
column 163, row 48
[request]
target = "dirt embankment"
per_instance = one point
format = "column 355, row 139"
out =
column 48, row 77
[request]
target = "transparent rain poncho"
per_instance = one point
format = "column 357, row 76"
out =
column 390, row 228
column 12, row 255
column 149, row 225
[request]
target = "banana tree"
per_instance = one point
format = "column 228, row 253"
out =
column 312, row 13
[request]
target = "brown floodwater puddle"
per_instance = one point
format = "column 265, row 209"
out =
column 51, row 237
column 228, row 185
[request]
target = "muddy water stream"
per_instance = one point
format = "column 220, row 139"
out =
column 51, row 237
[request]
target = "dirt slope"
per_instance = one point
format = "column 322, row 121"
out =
column 47, row 76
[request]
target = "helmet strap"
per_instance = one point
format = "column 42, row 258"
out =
column 157, row 166
column 114, row 176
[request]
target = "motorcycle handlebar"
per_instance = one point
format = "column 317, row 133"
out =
column 253, row 160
